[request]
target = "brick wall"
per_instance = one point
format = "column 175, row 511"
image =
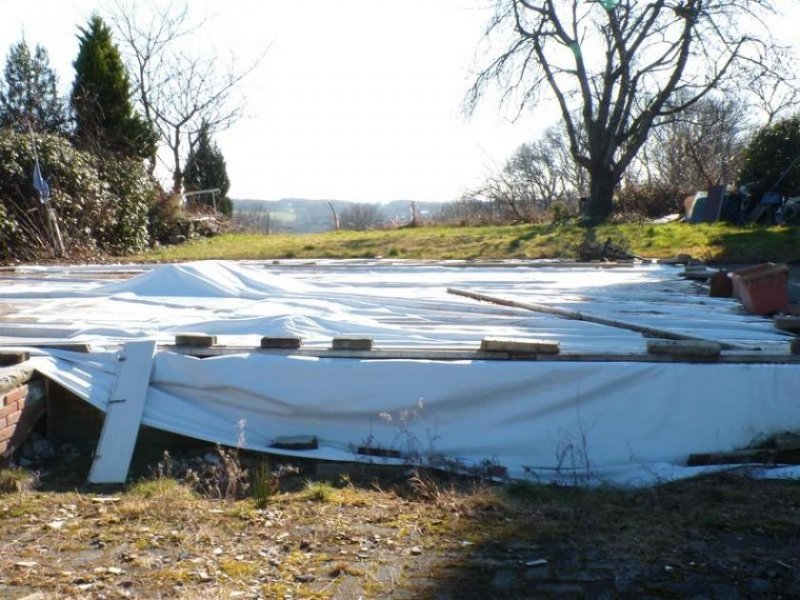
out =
column 72, row 420
column 22, row 403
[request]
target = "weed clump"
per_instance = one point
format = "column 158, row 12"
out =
column 226, row 475
column 161, row 488
column 265, row 484
column 16, row 480
column 317, row 491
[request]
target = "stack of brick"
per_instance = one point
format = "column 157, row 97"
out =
column 22, row 403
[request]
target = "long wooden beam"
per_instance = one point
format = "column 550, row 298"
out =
column 467, row 354
column 591, row 318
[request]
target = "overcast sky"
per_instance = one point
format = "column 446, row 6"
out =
column 355, row 99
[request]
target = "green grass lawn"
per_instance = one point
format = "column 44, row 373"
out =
column 712, row 242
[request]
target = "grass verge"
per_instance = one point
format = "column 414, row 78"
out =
column 712, row 242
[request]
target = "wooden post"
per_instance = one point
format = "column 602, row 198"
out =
column 55, row 233
column 336, row 223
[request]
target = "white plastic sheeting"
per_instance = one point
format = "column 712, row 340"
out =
column 570, row 421
column 625, row 422
column 399, row 306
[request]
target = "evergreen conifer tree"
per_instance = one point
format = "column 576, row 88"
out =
column 28, row 92
column 205, row 169
column 101, row 98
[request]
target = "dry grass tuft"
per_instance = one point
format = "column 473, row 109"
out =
column 15, row 480
column 318, row 491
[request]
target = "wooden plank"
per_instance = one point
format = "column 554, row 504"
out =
column 686, row 348
column 290, row 343
column 698, row 272
column 467, row 354
column 199, row 340
column 787, row 323
column 382, row 452
column 782, row 448
column 70, row 346
column 123, row 413
column 296, row 442
column 8, row 358
column 590, row 318
column 519, row 346
column 347, row 342
column 759, row 455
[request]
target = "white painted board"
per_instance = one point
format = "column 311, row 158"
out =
column 124, row 413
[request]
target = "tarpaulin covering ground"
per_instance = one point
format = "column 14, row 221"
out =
column 625, row 422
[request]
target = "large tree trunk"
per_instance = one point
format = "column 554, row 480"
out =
column 599, row 207
column 177, row 172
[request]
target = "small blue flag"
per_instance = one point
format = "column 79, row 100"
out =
column 40, row 184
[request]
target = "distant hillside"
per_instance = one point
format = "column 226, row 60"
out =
column 301, row 215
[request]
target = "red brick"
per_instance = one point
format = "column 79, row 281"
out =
column 13, row 418
column 3, row 422
column 7, row 432
column 16, row 394
column 4, row 445
column 8, row 410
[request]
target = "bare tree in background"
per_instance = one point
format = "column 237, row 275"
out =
column 467, row 210
column 537, row 176
column 771, row 86
column 177, row 91
column 617, row 67
column 700, row 147
column 361, row 216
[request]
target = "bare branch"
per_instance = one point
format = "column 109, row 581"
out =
column 177, row 91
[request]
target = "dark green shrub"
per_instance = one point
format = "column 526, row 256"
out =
column 100, row 204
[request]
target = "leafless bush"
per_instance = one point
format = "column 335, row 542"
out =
column 648, row 200
column 467, row 211
column 361, row 216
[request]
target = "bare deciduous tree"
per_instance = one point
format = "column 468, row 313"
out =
column 177, row 91
column 700, row 147
column 536, row 176
column 361, row 216
column 616, row 67
column 770, row 85
column 468, row 210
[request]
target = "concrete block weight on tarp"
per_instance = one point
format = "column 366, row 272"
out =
column 195, row 340
column 347, row 342
column 283, row 343
column 519, row 346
